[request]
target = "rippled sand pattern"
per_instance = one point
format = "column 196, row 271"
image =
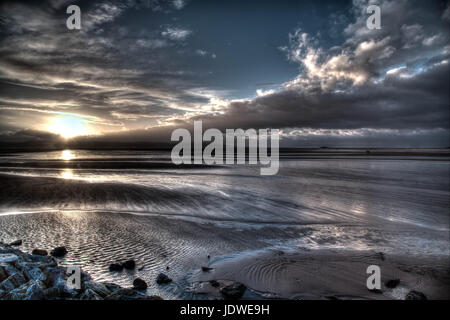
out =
column 112, row 206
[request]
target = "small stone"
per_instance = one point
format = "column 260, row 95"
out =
column 162, row 278
column 39, row 252
column 233, row 291
column 16, row 243
column 205, row 269
column 214, row 283
column 381, row 256
column 115, row 267
column 392, row 283
column 415, row 295
column 59, row 252
column 129, row 264
column 139, row 284
column 377, row 291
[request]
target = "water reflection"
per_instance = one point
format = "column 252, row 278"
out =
column 67, row 155
column 66, row 174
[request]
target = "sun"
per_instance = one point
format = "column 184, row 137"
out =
column 68, row 126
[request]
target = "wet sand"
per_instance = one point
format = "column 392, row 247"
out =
column 328, row 274
column 308, row 233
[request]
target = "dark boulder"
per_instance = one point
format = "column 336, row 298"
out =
column 59, row 252
column 162, row 278
column 392, row 283
column 16, row 243
column 214, row 283
column 129, row 264
column 139, row 284
column 115, row 267
column 205, row 269
column 233, row 291
column 39, row 252
column 415, row 295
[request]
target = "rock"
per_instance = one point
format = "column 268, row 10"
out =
column 13, row 281
column 415, row 295
column 112, row 286
column 392, row 283
column 99, row 288
column 115, row 267
column 233, row 291
column 209, row 257
column 35, row 292
column 162, row 278
column 54, row 277
column 129, row 264
column 90, row 294
column 141, row 268
column 24, row 265
column 36, row 277
column 59, row 252
column 3, row 274
column 214, row 283
column 8, row 258
column 377, row 291
column 153, row 298
column 380, row 255
column 122, row 294
column 139, row 284
column 39, row 252
column 58, row 293
column 34, row 274
column 205, row 269
column 15, row 243
column 17, row 294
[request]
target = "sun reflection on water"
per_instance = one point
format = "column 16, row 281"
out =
column 66, row 174
column 67, row 155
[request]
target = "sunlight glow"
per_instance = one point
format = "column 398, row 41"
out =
column 67, row 174
column 67, row 155
column 68, row 126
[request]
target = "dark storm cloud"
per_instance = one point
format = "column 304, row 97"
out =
column 420, row 102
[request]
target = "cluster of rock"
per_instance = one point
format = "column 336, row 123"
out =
column 38, row 277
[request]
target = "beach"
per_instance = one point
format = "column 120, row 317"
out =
column 309, row 232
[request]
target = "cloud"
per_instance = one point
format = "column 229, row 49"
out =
column 176, row 34
column 389, row 84
column 179, row 4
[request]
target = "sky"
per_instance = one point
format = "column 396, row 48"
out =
column 137, row 70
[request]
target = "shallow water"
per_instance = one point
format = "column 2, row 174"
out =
column 107, row 206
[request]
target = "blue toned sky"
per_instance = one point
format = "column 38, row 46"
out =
column 139, row 69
